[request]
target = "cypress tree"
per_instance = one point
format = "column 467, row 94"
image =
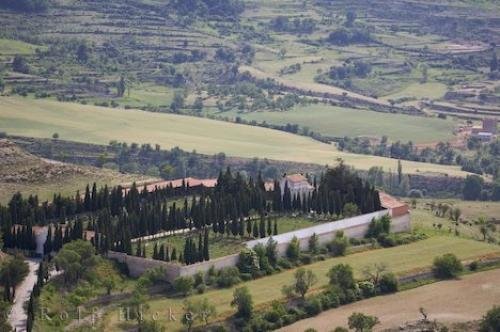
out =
column 206, row 254
column 138, row 248
column 275, row 231
column 255, row 230
column 249, row 227
column 161, row 253
column 167, row 254
column 241, row 227
column 269, row 227
column 155, row 251
column 200, row 252
column 174, row 254
column 262, row 227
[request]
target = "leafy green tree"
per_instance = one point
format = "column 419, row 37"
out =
column 243, row 302
column 447, row 266
column 341, row 275
column 12, row 273
column 303, row 281
column 184, row 285
column 75, row 258
column 4, row 312
column 485, row 227
column 361, row 322
column 473, row 186
column 20, row 65
column 198, row 310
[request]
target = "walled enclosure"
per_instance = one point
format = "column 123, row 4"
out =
column 355, row 227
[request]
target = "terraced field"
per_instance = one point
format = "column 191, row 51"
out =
column 43, row 118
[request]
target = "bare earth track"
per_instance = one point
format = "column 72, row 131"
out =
column 447, row 301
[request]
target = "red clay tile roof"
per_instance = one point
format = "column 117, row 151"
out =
column 390, row 202
column 296, row 178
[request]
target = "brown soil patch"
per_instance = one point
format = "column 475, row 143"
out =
column 452, row 301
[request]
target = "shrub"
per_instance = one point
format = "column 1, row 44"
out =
column 362, row 322
column 306, row 258
column 293, row 250
column 339, row 244
column 447, row 266
column 200, row 289
column 284, row 263
column 379, row 226
column 491, row 321
column 248, row 261
column 473, row 266
column 228, row 277
column 242, row 300
column 246, row 276
column 388, row 283
column 313, row 244
column 198, row 279
column 312, row 307
column 387, row 240
column 340, row 329
column 330, row 299
column 367, row 288
column 183, row 285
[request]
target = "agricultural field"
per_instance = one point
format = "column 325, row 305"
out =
column 339, row 122
column 471, row 212
column 402, row 259
column 471, row 295
column 81, row 123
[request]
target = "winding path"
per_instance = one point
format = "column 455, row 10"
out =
column 17, row 315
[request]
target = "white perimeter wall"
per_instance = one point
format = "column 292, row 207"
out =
column 355, row 227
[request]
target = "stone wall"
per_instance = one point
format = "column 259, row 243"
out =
column 138, row 265
column 355, row 227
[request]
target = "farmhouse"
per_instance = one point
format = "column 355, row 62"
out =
column 487, row 131
column 297, row 183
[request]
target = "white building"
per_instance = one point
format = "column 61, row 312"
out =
column 297, row 183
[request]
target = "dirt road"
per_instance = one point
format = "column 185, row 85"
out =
column 447, row 301
column 17, row 316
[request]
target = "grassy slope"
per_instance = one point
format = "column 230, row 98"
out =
column 338, row 122
column 42, row 118
column 66, row 185
column 12, row 47
column 398, row 260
